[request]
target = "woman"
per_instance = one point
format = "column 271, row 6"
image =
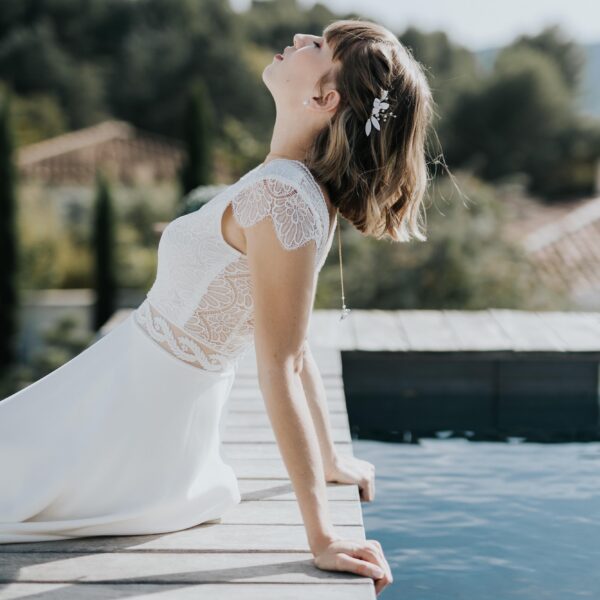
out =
column 123, row 439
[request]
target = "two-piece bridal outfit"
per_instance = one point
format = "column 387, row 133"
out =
column 124, row 438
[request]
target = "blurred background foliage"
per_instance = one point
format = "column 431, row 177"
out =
column 502, row 116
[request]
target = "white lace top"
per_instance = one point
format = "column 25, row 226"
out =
column 199, row 308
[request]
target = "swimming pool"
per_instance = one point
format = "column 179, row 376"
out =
column 486, row 520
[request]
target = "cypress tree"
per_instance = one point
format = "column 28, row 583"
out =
column 197, row 135
column 9, row 250
column 104, row 238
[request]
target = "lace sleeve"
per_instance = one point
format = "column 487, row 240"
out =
column 293, row 218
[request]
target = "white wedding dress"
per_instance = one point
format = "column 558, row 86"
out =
column 124, row 439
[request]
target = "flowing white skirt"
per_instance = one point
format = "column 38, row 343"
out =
column 124, row 439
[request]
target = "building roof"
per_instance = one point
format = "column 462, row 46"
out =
column 567, row 248
column 127, row 152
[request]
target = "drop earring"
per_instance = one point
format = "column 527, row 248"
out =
column 345, row 310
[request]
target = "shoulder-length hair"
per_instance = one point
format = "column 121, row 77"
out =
column 376, row 181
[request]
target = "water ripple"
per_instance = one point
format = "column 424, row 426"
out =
column 486, row 520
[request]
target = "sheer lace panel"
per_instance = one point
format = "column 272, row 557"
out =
column 223, row 318
column 291, row 211
column 177, row 342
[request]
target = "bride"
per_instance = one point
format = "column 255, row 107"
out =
column 123, row 439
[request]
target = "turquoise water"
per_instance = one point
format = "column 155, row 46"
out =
column 486, row 520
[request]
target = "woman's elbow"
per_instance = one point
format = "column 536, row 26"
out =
column 281, row 361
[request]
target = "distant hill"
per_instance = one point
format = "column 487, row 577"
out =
column 589, row 97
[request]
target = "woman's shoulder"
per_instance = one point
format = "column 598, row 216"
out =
column 286, row 190
column 290, row 176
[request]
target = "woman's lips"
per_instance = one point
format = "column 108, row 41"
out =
column 279, row 56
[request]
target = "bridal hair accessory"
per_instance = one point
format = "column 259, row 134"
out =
column 379, row 106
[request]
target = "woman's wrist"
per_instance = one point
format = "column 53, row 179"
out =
column 322, row 541
column 330, row 462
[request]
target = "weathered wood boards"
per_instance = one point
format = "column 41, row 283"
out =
column 257, row 551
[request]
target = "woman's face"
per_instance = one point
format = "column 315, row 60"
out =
column 293, row 78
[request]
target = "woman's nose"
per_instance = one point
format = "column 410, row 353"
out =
column 298, row 40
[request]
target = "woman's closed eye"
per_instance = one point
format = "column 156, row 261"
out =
column 316, row 44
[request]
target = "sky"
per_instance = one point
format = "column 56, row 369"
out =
column 476, row 25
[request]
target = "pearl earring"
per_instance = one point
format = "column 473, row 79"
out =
column 305, row 102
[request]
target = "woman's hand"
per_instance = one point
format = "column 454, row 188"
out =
column 349, row 469
column 363, row 557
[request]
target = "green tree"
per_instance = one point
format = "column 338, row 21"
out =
column 104, row 239
column 9, row 249
column 450, row 69
column 470, row 260
column 510, row 123
column 33, row 60
column 562, row 51
column 197, row 132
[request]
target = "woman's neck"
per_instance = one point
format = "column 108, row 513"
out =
column 273, row 155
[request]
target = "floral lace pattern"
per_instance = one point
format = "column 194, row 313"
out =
column 223, row 319
column 175, row 341
column 292, row 214
column 200, row 306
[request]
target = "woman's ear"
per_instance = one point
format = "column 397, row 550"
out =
column 330, row 100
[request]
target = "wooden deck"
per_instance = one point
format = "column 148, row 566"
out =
column 257, row 551
column 458, row 331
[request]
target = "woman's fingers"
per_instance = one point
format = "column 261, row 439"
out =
column 374, row 553
column 363, row 557
column 365, row 568
column 373, row 565
column 367, row 485
column 383, row 558
column 367, row 488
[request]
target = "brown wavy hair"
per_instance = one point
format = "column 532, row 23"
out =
column 377, row 182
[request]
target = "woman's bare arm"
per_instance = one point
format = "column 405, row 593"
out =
column 282, row 288
column 316, row 397
column 282, row 284
column 340, row 468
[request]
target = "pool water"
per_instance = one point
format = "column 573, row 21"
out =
column 486, row 520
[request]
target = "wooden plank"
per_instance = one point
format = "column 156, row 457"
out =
column 527, row 331
column 379, row 330
column 268, row 450
column 240, row 418
column 254, row 403
column 476, row 330
column 267, row 489
column 334, row 397
column 160, row 567
column 578, row 331
column 325, row 590
column 206, row 538
column 266, row 512
column 261, row 435
column 243, row 406
column 254, row 392
column 258, row 468
column 427, row 330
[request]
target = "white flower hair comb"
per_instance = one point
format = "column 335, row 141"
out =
column 379, row 106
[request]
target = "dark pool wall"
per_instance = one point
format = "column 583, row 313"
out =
column 510, row 392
